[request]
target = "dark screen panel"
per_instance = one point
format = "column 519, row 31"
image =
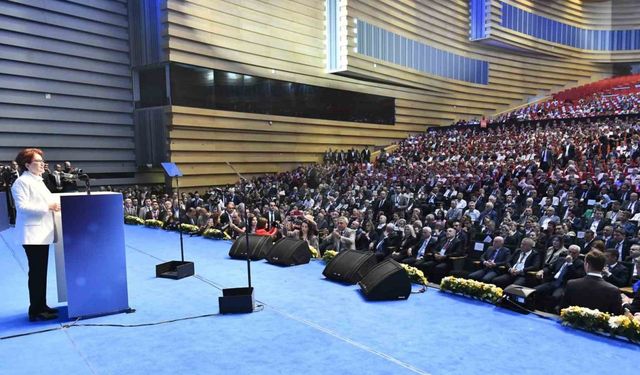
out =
column 217, row 89
column 192, row 86
column 153, row 87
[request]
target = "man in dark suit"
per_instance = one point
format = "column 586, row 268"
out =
column 365, row 154
column 597, row 222
column 440, row 265
column 546, row 158
column 568, row 152
column 273, row 215
column 522, row 261
column 423, row 250
column 383, row 205
column 492, row 259
column 587, row 241
column 383, row 248
column 154, row 212
column 632, row 205
column 615, row 272
column 620, row 243
column 592, row 291
column 549, row 293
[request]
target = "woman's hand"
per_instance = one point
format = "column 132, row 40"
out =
column 54, row 207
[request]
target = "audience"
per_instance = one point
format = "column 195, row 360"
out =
column 530, row 191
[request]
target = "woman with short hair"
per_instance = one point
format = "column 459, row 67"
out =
column 35, row 206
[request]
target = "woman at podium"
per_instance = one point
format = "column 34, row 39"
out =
column 35, row 227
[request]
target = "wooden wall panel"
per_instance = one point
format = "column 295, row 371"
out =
column 285, row 39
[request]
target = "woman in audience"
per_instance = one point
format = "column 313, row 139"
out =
column 306, row 234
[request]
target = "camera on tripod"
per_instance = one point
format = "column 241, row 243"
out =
column 74, row 174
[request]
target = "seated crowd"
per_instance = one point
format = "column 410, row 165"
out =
column 526, row 205
column 595, row 105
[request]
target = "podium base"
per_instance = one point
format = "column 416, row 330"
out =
column 175, row 269
column 236, row 301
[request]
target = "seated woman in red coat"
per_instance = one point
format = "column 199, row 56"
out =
column 261, row 228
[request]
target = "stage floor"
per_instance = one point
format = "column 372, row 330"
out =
column 306, row 324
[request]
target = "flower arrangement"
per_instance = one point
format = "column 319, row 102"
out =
column 328, row 255
column 314, row 252
column 189, row 228
column 626, row 326
column 595, row 320
column 133, row 220
column 582, row 317
column 216, row 234
column 152, row 223
column 472, row 288
column 416, row 275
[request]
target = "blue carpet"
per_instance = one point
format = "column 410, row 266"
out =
column 308, row 325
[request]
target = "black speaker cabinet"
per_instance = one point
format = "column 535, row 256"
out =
column 289, row 252
column 519, row 298
column 386, row 281
column 259, row 247
column 350, row 266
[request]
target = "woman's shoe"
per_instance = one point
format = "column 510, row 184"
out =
column 42, row 316
column 50, row 310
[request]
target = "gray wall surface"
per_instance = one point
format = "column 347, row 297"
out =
column 65, row 84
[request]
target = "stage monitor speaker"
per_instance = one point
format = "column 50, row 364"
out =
column 350, row 266
column 519, row 298
column 289, row 252
column 386, row 281
column 259, row 247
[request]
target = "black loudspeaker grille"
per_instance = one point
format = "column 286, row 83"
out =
column 350, row 266
column 259, row 247
column 289, row 252
column 386, row 281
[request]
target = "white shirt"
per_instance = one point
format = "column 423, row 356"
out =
column 523, row 258
column 34, row 220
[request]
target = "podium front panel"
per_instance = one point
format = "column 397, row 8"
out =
column 4, row 211
column 94, row 254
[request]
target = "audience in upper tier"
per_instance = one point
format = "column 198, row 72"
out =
column 595, row 105
column 526, row 203
column 598, row 104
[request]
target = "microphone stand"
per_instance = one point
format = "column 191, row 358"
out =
column 176, row 269
column 239, row 300
column 247, row 228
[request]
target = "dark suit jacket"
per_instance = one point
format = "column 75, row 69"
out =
column 433, row 241
column 594, row 293
column 386, row 207
column 587, row 224
column 531, row 264
column 636, row 207
column 385, row 245
column 454, row 249
column 501, row 259
column 619, row 275
column 574, row 271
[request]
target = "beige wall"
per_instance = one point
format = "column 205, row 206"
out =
column 285, row 39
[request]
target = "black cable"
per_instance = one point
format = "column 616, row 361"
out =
column 139, row 324
column 76, row 324
column 534, row 312
column 30, row 333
